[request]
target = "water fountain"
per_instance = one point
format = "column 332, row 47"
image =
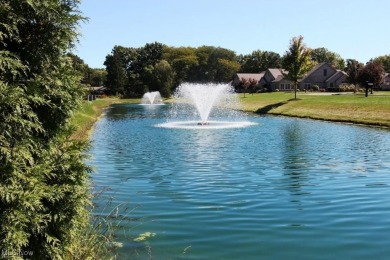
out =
column 152, row 98
column 195, row 104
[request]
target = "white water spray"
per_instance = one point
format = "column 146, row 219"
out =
column 205, row 106
column 151, row 98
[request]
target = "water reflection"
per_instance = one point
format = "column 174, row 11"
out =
column 295, row 157
column 248, row 191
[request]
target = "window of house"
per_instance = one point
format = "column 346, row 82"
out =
column 325, row 72
column 288, row 86
column 307, row 85
column 281, row 86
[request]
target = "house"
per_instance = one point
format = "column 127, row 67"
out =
column 386, row 82
column 325, row 76
column 274, row 79
column 98, row 91
column 246, row 77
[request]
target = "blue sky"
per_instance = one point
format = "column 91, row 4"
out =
column 357, row 29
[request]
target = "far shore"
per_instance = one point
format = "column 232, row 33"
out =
column 373, row 110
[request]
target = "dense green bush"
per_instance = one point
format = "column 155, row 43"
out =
column 315, row 88
column 43, row 177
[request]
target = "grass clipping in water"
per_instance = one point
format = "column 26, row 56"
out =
column 144, row 236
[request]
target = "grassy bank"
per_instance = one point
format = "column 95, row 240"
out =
column 90, row 112
column 343, row 107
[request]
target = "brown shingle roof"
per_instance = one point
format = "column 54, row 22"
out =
column 256, row 76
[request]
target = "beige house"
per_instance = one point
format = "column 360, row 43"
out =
column 274, row 79
column 386, row 82
column 240, row 77
column 324, row 76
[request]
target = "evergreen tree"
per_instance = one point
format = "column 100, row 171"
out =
column 43, row 177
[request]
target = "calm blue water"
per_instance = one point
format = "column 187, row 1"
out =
column 283, row 189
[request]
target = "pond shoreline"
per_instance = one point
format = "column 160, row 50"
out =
column 282, row 105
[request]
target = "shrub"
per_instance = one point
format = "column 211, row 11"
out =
column 315, row 87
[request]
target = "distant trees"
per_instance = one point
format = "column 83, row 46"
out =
column 384, row 60
column 353, row 69
column 133, row 71
column 373, row 73
column 90, row 76
column 297, row 61
column 130, row 71
column 368, row 76
column 259, row 61
column 320, row 55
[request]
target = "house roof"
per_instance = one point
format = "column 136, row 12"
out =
column 279, row 78
column 256, row 76
column 97, row 88
column 276, row 72
column 337, row 75
column 316, row 67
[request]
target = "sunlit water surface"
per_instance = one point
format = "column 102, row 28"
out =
column 282, row 188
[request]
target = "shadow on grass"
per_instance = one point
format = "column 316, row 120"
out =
column 266, row 109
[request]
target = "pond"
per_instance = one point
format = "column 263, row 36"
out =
column 282, row 188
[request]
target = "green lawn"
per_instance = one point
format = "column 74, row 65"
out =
column 90, row 112
column 345, row 107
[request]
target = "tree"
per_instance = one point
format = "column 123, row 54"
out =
column 353, row 69
column 117, row 64
column 226, row 70
column 320, row 55
column 244, row 85
column 373, row 73
column 163, row 78
column 385, row 61
column 219, row 59
column 43, row 191
column 259, row 61
column 211, row 63
column 183, row 61
column 297, row 61
column 96, row 77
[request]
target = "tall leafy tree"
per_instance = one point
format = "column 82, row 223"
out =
column 297, row 61
column 353, row 69
column 211, row 63
column 385, row 61
column 117, row 64
column 218, row 60
column 226, row 70
column 43, row 191
column 183, row 61
column 372, row 73
column 163, row 78
column 138, row 69
column 324, row 55
column 259, row 61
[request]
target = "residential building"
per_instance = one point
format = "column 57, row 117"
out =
column 325, row 76
column 242, row 77
column 386, row 84
column 274, row 79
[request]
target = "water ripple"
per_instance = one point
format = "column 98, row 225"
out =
column 281, row 189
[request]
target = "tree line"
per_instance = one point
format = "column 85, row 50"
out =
column 158, row 67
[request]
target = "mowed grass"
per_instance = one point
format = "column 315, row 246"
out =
column 89, row 113
column 344, row 107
